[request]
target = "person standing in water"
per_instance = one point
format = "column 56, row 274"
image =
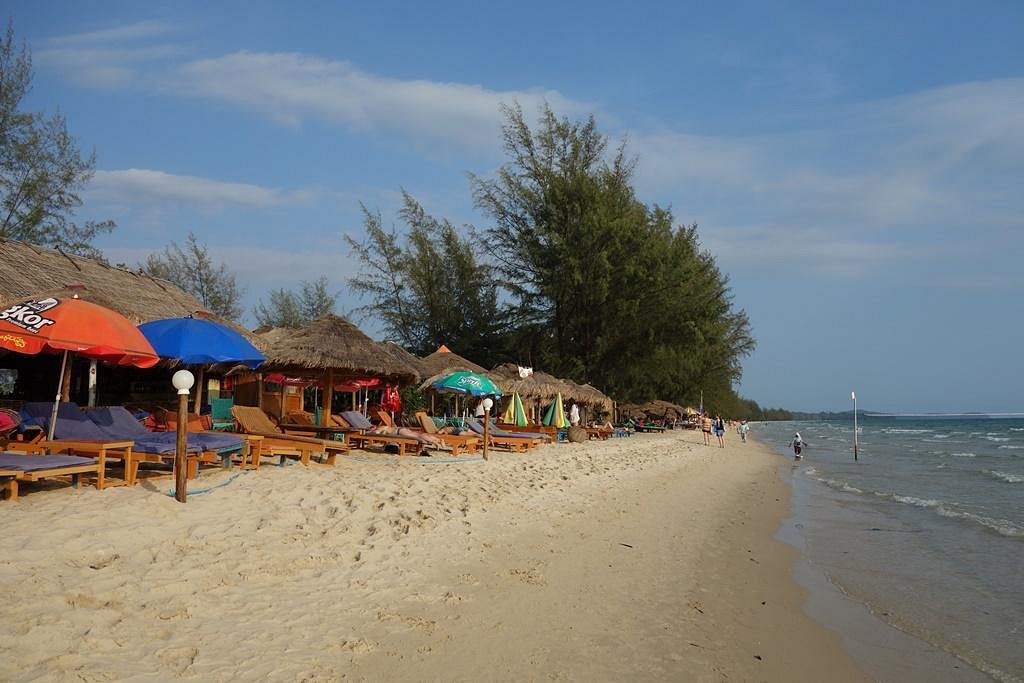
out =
column 798, row 445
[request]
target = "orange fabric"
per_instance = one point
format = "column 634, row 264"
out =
column 76, row 325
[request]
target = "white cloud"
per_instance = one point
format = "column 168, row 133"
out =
column 107, row 58
column 290, row 88
column 141, row 186
column 135, row 31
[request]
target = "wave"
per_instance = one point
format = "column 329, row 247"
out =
column 894, row 430
column 964, row 455
column 1011, row 448
column 1003, row 527
column 997, row 438
column 1008, row 478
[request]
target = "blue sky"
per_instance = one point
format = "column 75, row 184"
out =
column 855, row 168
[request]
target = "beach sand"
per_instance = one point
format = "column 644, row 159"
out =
column 643, row 558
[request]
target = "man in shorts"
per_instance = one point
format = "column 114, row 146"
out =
column 705, row 426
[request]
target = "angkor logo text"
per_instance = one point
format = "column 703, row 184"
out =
column 29, row 315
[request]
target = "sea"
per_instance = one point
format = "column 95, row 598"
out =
column 925, row 528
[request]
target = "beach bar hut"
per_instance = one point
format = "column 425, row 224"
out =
column 334, row 350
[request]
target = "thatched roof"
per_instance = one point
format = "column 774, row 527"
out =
column 539, row 385
column 657, row 408
column 27, row 270
column 444, row 362
column 398, row 351
column 333, row 342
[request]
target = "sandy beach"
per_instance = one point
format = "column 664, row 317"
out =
column 642, row 558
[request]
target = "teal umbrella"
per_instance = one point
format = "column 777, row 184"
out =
column 471, row 383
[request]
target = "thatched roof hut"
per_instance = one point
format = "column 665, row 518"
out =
column 332, row 343
column 666, row 409
column 444, row 362
column 27, row 270
column 539, row 385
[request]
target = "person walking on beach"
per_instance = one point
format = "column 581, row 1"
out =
column 720, row 430
column 798, row 445
column 743, row 429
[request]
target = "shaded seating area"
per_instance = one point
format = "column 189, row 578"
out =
column 114, row 433
column 160, row 447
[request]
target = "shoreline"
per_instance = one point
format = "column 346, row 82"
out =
column 646, row 557
column 880, row 647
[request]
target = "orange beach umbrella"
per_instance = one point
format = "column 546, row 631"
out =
column 70, row 324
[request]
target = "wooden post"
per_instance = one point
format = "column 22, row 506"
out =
column 487, row 429
column 200, row 381
column 325, row 417
column 180, row 473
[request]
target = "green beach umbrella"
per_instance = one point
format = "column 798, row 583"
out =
column 471, row 383
column 555, row 415
column 515, row 414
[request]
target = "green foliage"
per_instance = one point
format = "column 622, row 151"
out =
column 604, row 288
column 426, row 286
column 193, row 270
column 41, row 168
column 412, row 400
column 294, row 309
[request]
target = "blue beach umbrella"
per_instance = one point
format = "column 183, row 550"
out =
column 464, row 382
column 196, row 341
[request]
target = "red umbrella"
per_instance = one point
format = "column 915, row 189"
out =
column 73, row 325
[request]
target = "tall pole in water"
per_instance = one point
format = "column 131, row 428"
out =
column 853, row 395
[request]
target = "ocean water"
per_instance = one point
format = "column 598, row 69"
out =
column 926, row 528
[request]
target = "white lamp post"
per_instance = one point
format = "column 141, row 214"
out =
column 488, row 404
column 182, row 381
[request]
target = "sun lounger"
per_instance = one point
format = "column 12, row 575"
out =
column 75, row 434
column 512, row 443
column 457, row 442
column 359, row 425
column 253, row 420
column 204, row 446
column 15, row 468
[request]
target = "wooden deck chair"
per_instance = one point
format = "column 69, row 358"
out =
column 459, row 443
column 512, row 443
column 253, row 420
column 15, row 468
column 359, row 436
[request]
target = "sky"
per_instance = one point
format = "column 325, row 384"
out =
column 855, row 168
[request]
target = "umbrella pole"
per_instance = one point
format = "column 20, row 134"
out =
column 199, row 390
column 92, row 383
column 56, row 401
